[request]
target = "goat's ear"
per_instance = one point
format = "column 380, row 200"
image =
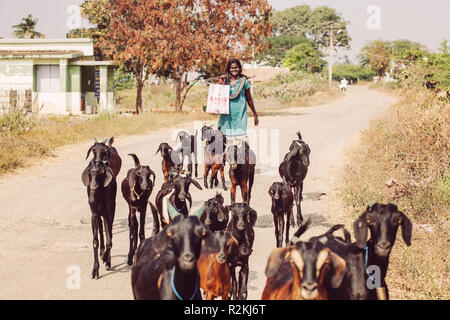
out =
column 276, row 258
column 89, row 151
column 152, row 173
column 110, row 141
column 159, row 148
column 208, row 236
column 339, row 269
column 85, row 177
column 132, row 182
column 360, row 230
column 406, row 228
column 109, row 177
column 195, row 183
column 161, row 241
column 252, row 215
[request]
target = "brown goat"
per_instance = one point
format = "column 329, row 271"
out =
column 171, row 162
column 214, row 269
column 298, row 272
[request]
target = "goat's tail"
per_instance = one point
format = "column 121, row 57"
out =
column 136, row 160
column 155, row 219
column 347, row 236
column 299, row 135
column 301, row 230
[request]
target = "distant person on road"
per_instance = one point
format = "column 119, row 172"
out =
column 234, row 124
column 343, row 84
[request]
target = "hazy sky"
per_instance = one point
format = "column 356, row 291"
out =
column 426, row 21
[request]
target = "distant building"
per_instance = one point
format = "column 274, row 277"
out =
column 58, row 76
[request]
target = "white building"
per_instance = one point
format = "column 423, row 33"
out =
column 59, row 76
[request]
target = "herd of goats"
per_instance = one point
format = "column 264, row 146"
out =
column 194, row 255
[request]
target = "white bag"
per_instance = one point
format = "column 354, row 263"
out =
column 218, row 99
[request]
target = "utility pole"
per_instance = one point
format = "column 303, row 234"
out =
column 330, row 57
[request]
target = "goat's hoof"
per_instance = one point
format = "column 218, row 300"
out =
column 130, row 261
column 95, row 274
column 225, row 188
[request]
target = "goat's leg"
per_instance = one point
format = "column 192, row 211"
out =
column 280, row 230
column 107, row 254
column 233, row 193
column 233, row 293
column 133, row 226
column 94, row 222
column 277, row 231
column 298, row 200
column 243, row 278
column 290, row 217
column 142, row 216
column 205, row 175
column 244, row 193
column 222, row 176
column 287, row 227
column 100, row 232
column 195, row 163
column 213, row 176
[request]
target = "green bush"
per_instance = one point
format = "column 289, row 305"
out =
column 352, row 72
column 15, row 120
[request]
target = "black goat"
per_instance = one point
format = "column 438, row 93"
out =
column 101, row 189
column 365, row 257
column 242, row 221
column 282, row 203
column 179, row 198
column 103, row 152
column 136, row 190
column 215, row 216
column 170, row 161
column 293, row 170
column 188, row 147
column 165, row 266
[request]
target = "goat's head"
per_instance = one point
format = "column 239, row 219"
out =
column 242, row 215
column 383, row 221
column 100, row 151
column 313, row 262
column 184, row 235
column 183, row 136
column 207, row 132
column 299, row 148
column 215, row 211
column 97, row 174
column 181, row 184
column 280, row 190
column 237, row 154
column 227, row 246
column 141, row 175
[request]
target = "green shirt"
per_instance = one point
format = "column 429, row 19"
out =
column 235, row 123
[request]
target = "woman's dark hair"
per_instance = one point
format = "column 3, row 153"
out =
column 234, row 60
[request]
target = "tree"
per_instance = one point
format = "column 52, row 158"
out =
column 377, row 55
column 172, row 38
column 295, row 24
column 352, row 72
column 304, row 57
column 25, row 29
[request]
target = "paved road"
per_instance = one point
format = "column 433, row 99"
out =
column 46, row 237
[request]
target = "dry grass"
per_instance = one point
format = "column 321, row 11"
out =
column 51, row 132
column 404, row 157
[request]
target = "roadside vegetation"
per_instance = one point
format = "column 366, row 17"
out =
column 404, row 157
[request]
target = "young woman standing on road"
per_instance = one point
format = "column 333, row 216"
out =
column 234, row 124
